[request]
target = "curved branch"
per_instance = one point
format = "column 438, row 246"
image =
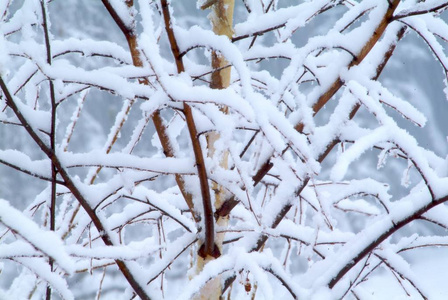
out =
column 445, row 67
column 419, row 12
column 167, row 214
column 54, row 169
column 420, row 171
column 91, row 55
column 283, row 281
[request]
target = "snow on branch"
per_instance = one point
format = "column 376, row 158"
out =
column 45, row 241
column 150, row 152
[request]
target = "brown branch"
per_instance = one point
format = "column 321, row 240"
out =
column 431, row 47
column 93, row 54
column 261, row 32
column 208, row 3
column 356, row 19
column 424, row 218
column 249, row 143
column 337, row 84
column 226, row 207
column 131, row 38
column 161, row 210
column 127, row 109
column 209, row 247
column 283, row 282
column 126, row 30
column 168, row 151
column 353, row 282
column 420, row 171
column 333, row 143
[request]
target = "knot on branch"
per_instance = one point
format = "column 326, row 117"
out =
column 215, row 253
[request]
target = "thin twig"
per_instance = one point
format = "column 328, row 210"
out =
column 54, row 171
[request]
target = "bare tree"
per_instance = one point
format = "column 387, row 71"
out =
column 239, row 161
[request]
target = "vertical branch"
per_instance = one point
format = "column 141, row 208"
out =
column 221, row 18
column 54, row 171
column 53, row 116
column 208, row 248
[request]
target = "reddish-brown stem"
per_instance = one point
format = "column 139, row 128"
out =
column 337, row 84
column 126, row 30
column 208, row 247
